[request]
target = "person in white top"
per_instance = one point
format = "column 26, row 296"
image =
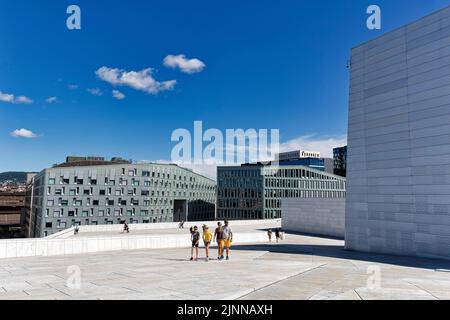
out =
column 227, row 239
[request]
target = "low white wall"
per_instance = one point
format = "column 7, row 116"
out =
column 154, row 226
column 66, row 246
column 324, row 217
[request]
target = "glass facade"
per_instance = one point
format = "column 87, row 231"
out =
column 255, row 192
column 340, row 161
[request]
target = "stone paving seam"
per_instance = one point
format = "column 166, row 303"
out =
column 357, row 293
column 276, row 282
column 420, row 288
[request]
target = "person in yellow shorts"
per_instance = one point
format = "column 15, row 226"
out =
column 207, row 237
column 218, row 238
column 227, row 239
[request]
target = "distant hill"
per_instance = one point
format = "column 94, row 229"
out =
column 20, row 177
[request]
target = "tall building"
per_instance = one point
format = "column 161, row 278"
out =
column 340, row 161
column 11, row 204
column 94, row 191
column 310, row 159
column 255, row 191
column 398, row 199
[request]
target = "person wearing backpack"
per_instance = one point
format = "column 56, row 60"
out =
column 195, row 238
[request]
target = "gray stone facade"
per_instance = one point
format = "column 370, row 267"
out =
column 398, row 199
column 115, row 193
column 324, row 217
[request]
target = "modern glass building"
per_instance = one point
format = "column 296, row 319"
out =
column 340, row 161
column 94, row 192
column 255, row 191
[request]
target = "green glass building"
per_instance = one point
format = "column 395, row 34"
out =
column 255, row 191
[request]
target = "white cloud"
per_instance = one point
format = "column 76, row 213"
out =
column 323, row 144
column 5, row 97
column 10, row 98
column 23, row 133
column 139, row 80
column 51, row 100
column 118, row 95
column 95, row 92
column 72, row 86
column 185, row 65
column 23, row 100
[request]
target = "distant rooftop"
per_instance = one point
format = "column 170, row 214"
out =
column 76, row 161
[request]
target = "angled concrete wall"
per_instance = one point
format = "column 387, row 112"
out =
column 325, row 217
column 398, row 180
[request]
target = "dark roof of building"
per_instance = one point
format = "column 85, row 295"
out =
column 88, row 163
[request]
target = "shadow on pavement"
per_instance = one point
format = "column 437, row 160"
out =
column 337, row 251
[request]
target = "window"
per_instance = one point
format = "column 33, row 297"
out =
column 51, row 181
column 50, row 203
column 49, row 225
column 95, row 202
column 103, row 192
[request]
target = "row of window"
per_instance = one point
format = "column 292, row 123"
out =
column 108, row 212
column 240, row 203
column 111, row 202
column 63, row 224
column 306, row 184
column 239, row 214
column 283, row 193
column 123, row 191
column 133, row 183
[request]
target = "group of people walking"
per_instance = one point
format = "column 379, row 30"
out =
column 223, row 236
column 278, row 235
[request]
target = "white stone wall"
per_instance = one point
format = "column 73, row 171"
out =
column 62, row 244
column 398, row 177
column 69, row 246
column 325, row 217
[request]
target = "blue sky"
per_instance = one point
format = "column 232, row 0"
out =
column 268, row 64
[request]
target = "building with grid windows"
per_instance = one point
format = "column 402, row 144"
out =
column 340, row 161
column 92, row 191
column 256, row 191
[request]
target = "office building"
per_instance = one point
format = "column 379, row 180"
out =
column 340, row 161
column 11, row 204
column 398, row 199
column 254, row 191
column 93, row 191
column 310, row 159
